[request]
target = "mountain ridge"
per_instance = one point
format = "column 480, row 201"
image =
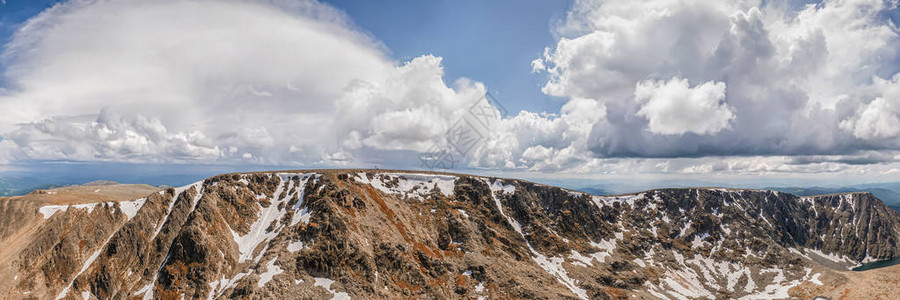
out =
column 350, row 170
column 395, row 233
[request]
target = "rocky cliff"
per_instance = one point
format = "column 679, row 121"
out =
column 386, row 234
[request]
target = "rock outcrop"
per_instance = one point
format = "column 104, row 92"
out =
column 393, row 234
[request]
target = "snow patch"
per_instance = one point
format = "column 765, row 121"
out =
column 606, row 249
column 271, row 271
column 779, row 287
column 815, row 279
column 49, row 210
column 600, row 201
column 177, row 193
column 85, row 266
column 413, row 185
column 147, row 291
column 130, row 208
column 552, row 265
column 326, row 283
column 685, row 283
column 639, row 262
column 498, row 186
column 581, row 260
column 295, row 246
column 218, row 287
column 267, row 215
column 684, row 229
column 833, row 258
column 698, row 241
column 304, row 214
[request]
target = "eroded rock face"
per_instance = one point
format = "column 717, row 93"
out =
column 368, row 234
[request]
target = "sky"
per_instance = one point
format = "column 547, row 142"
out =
column 722, row 92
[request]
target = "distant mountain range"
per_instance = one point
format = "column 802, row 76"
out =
column 20, row 185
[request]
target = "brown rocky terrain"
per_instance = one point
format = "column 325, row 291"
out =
column 883, row 283
column 22, row 220
column 394, row 234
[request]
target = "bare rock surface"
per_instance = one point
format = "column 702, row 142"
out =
column 48, row 233
column 378, row 234
column 883, row 283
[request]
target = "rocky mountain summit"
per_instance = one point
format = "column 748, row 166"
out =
column 376, row 234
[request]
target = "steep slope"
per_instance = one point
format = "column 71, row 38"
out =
column 389, row 234
column 29, row 225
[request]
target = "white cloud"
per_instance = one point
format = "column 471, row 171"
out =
column 537, row 65
column 606, row 47
column 543, row 142
column 196, row 69
column 777, row 89
column 215, row 81
column 409, row 109
column 878, row 119
column 7, row 149
column 799, row 78
column 673, row 107
column 108, row 137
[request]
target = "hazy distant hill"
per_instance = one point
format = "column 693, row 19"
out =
column 595, row 191
column 18, row 185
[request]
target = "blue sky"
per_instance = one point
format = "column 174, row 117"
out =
column 493, row 41
column 14, row 12
column 669, row 90
column 17, row 11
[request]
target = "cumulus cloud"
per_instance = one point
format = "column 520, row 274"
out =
column 110, row 136
column 410, row 108
column 206, row 74
column 275, row 82
column 878, row 119
column 801, row 80
column 777, row 88
column 674, row 108
column 662, row 86
column 546, row 142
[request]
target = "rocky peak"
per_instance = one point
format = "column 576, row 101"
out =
column 389, row 234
